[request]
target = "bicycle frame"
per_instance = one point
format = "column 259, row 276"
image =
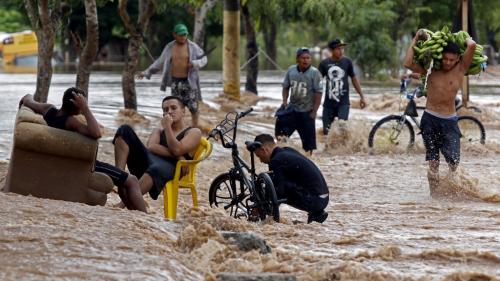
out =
column 395, row 134
column 240, row 168
column 410, row 95
column 410, row 114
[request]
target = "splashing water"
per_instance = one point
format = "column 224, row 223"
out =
column 460, row 184
column 429, row 71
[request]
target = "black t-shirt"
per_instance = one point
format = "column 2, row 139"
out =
column 180, row 136
column 55, row 121
column 287, row 164
column 337, row 84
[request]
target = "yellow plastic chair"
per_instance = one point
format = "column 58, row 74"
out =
column 171, row 189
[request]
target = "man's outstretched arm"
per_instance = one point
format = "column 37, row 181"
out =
column 37, row 107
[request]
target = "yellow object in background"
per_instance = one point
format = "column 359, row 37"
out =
column 171, row 188
column 20, row 48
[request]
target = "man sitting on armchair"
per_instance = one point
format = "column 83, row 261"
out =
column 74, row 103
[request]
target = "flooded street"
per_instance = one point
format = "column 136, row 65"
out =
column 382, row 223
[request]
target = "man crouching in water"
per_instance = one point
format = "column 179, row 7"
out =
column 295, row 178
column 439, row 122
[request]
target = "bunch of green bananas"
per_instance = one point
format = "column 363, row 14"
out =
column 429, row 48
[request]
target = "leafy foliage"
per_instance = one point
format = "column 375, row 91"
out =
column 13, row 21
column 377, row 30
column 366, row 26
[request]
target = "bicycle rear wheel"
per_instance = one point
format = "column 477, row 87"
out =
column 270, row 205
column 228, row 193
column 393, row 133
column 472, row 130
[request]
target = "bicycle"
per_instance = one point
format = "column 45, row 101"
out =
column 240, row 191
column 396, row 131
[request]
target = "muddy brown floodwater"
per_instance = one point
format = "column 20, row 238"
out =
column 382, row 223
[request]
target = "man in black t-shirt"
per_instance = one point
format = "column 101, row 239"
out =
column 295, row 178
column 336, row 69
column 64, row 118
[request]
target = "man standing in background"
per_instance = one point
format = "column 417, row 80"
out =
column 180, row 61
column 336, row 69
column 302, row 84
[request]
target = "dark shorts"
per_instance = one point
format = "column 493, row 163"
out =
column 341, row 111
column 301, row 121
column 117, row 176
column 298, row 197
column 180, row 88
column 443, row 135
column 141, row 161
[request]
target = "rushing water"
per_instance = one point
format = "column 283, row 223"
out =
column 105, row 98
column 382, row 224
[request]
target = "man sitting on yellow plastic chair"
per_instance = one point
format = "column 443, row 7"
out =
column 154, row 164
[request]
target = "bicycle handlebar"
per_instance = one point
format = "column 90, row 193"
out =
column 227, row 125
column 244, row 113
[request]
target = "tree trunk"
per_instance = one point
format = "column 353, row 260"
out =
column 252, row 50
column 230, row 49
column 42, row 23
column 146, row 10
column 129, row 70
column 199, row 22
column 403, row 13
column 270, row 40
column 87, row 56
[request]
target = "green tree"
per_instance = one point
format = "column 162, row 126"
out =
column 135, row 30
column 45, row 17
column 91, row 46
column 251, row 48
column 487, row 16
column 366, row 25
column 11, row 20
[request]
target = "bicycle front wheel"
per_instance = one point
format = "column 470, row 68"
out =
column 393, row 133
column 472, row 130
column 229, row 193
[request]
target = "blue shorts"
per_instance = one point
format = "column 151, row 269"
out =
column 330, row 112
column 287, row 123
column 440, row 134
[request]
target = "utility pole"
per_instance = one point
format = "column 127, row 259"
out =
column 465, row 21
column 231, row 49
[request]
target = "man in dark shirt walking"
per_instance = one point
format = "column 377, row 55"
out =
column 295, row 178
column 336, row 69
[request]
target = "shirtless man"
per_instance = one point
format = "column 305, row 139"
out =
column 180, row 61
column 154, row 164
column 439, row 126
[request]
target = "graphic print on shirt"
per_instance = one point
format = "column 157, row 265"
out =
column 299, row 89
column 335, row 76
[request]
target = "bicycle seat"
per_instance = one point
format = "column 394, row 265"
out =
column 458, row 102
column 253, row 145
column 411, row 109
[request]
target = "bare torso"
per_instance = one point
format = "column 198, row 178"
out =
column 180, row 60
column 442, row 88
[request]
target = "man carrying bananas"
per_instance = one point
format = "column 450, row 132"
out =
column 439, row 125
